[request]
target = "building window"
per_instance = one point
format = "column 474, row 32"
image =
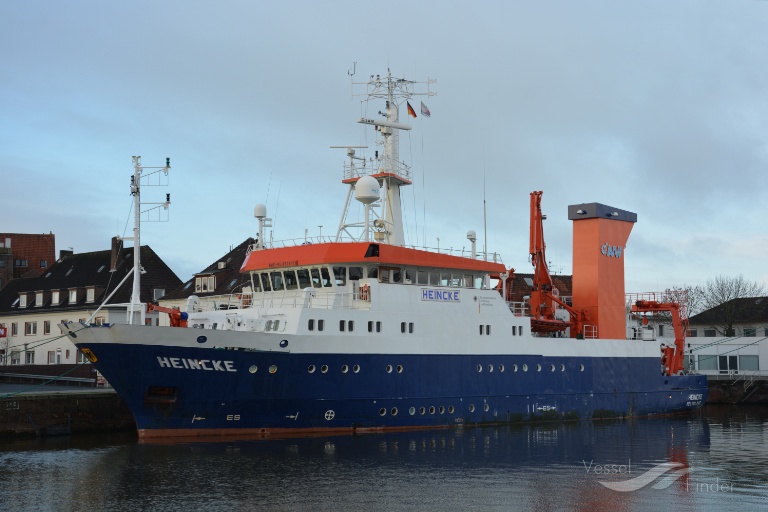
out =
column 749, row 363
column 705, row 362
column 21, row 263
column 30, row 328
column 750, row 332
column 39, row 299
column 661, row 330
column 14, row 329
column 43, row 263
column 692, row 333
column 30, row 358
column 72, row 296
column 51, row 357
column 55, row 298
column 158, row 293
column 100, row 320
column 81, row 357
column 22, row 300
column 89, row 295
column 710, row 333
column 46, row 327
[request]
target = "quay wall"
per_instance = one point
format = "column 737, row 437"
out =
column 62, row 413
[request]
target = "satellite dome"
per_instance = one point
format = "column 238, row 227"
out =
column 367, row 190
column 260, row 211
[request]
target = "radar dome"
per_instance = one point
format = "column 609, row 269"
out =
column 471, row 235
column 260, row 211
column 367, row 190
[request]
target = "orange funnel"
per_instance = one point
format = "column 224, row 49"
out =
column 600, row 235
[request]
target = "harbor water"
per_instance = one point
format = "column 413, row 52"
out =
column 716, row 460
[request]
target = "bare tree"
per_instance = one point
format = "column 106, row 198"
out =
column 720, row 301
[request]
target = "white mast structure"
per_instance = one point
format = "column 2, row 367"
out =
column 386, row 168
column 136, row 304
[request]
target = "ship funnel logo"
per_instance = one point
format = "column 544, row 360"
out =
column 612, row 251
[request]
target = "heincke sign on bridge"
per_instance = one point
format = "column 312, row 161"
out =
column 429, row 294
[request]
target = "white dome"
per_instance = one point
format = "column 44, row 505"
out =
column 367, row 190
column 260, row 211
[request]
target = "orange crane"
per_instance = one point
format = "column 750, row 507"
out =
column 176, row 317
column 671, row 357
column 543, row 298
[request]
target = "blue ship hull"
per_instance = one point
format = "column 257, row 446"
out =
column 180, row 391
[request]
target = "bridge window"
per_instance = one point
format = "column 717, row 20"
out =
column 355, row 273
column 325, row 277
column 265, row 282
column 340, row 275
column 277, row 281
column 410, row 276
column 304, row 281
column 291, row 282
column 422, row 277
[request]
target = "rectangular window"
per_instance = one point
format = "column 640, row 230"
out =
column 410, row 276
column 422, row 277
column 81, row 357
column 46, row 327
column 750, row 332
column 39, row 299
column 351, row 325
column 89, row 295
column 370, row 326
column 410, row 328
column 710, row 333
column 100, row 320
column 211, row 283
column 30, row 358
column 481, row 330
column 342, row 324
column 72, row 296
column 402, row 327
column 320, row 325
column 277, row 280
column 749, row 363
column 51, row 357
column 692, row 333
column 55, row 298
column 488, row 330
column 304, row 280
column 311, row 324
column 728, row 364
column 291, row 282
column 355, row 273
column 705, row 362
column 378, row 326
column 43, row 263
column 340, row 275
column 30, row 328
column 661, row 330
column 22, row 300
column 22, row 263
column 158, row 293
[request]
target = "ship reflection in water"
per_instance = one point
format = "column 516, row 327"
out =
column 716, row 461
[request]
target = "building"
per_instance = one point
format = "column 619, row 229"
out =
column 72, row 290
column 218, row 286
column 25, row 255
column 730, row 339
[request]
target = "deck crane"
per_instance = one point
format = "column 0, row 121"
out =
column 543, row 294
column 176, row 317
column 671, row 357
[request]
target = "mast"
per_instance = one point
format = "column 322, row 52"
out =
column 384, row 215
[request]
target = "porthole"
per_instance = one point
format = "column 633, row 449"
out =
column 514, row 367
column 450, row 409
column 311, row 368
column 422, row 410
column 471, row 407
column 562, row 367
column 486, row 407
column 501, row 368
column 324, row 368
column 442, row 410
column 551, row 367
column 479, row 368
column 272, row 369
column 412, row 411
column 538, row 367
column 581, row 367
column 389, row 368
column 490, row 368
column 431, row 409
column 356, row 368
column 525, row 367
column 399, row 368
column 253, row 369
column 382, row 411
column 394, row 411
column 344, row 368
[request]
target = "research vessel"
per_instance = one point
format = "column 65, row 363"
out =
column 362, row 332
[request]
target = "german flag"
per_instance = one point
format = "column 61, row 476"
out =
column 411, row 112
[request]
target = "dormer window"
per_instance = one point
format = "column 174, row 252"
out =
column 205, row 284
column 90, row 294
column 73, row 296
column 39, row 299
column 55, row 298
column 23, row 299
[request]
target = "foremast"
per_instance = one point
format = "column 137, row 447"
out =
column 383, row 216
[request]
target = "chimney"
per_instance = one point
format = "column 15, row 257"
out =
column 600, row 235
column 115, row 253
column 63, row 253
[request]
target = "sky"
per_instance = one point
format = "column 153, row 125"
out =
column 655, row 107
